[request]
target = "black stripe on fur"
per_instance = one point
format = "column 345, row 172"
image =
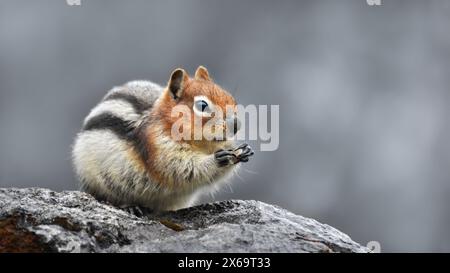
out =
column 122, row 128
column 138, row 105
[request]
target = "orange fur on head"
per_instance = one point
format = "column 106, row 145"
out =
column 181, row 90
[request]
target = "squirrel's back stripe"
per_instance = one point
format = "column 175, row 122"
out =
column 121, row 112
column 119, row 108
column 109, row 121
column 138, row 105
column 122, row 129
column 128, row 102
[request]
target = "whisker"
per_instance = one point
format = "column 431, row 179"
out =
column 230, row 188
column 250, row 171
column 239, row 176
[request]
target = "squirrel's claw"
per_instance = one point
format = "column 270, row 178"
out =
column 243, row 152
column 233, row 156
column 225, row 157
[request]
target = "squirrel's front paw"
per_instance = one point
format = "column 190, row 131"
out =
column 225, row 157
column 243, row 152
column 233, row 156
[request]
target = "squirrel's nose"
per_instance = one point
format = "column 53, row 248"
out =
column 234, row 123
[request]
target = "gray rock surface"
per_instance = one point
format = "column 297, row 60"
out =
column 41, row 220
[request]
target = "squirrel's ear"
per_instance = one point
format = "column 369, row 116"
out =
column 202, row 74
column 177, row 82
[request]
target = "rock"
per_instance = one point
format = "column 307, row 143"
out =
column 41, row 220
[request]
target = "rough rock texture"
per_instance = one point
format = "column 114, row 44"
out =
column 40, row 220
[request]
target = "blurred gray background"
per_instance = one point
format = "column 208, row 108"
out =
column 363, row 92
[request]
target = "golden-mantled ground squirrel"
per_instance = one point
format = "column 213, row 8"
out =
column 126, row 154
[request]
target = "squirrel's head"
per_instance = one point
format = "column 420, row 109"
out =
column 196, row 110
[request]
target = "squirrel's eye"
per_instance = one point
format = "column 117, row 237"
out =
column 201, row 105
